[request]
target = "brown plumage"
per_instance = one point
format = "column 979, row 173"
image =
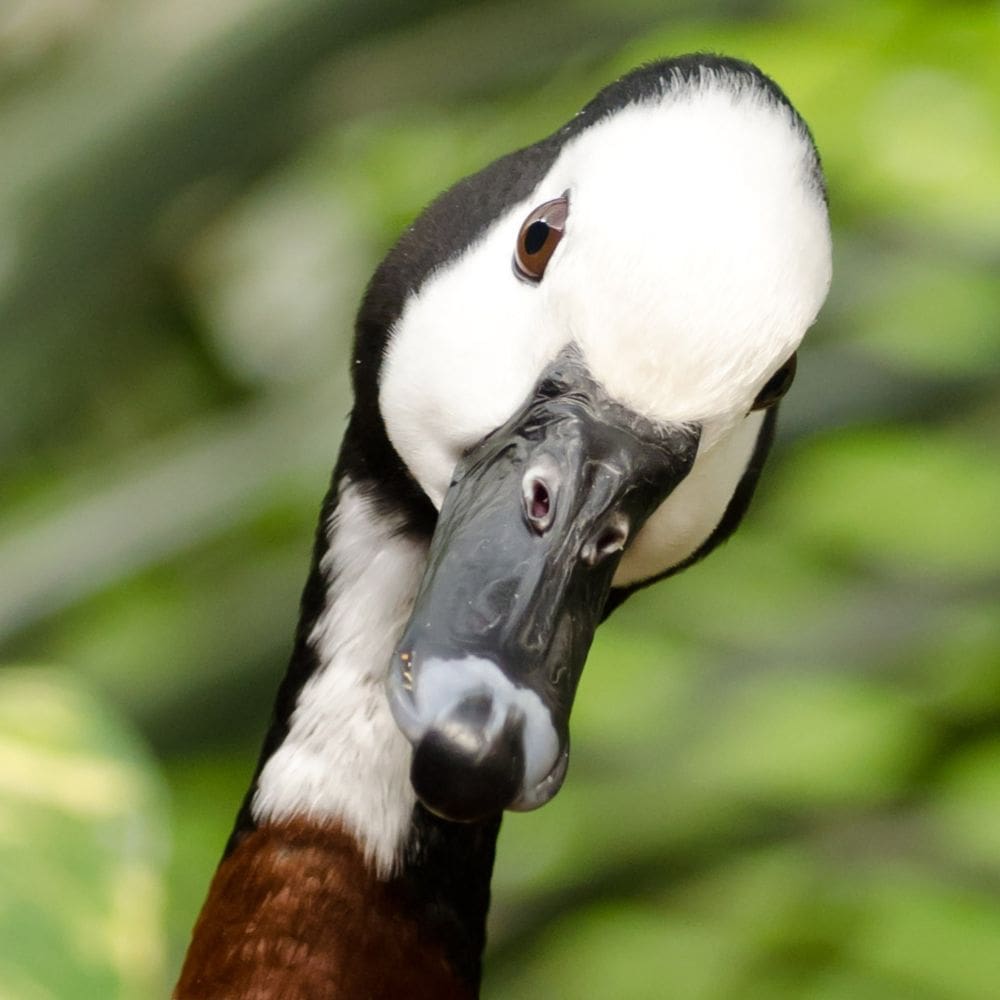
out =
column 293, row 913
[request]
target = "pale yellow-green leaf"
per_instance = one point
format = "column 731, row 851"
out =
column 82, row 843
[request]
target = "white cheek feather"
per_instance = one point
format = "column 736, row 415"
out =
column 344, row 759
column 463, row 355
column 697, row 253
column 690, row 514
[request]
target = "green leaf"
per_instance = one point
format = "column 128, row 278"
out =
column 933, row 936
column 806, row 739
column 628, row 950
column 920, row 312
column 966, row 808
column 82, row 843
column 914, row 501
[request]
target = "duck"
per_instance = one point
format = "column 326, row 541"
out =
column 566, row 375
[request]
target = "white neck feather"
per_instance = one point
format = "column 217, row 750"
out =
column 344, row 758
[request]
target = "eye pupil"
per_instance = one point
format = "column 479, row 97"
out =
column 538, row 238
column 535, row 236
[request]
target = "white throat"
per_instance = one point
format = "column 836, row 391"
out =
column 344, row 759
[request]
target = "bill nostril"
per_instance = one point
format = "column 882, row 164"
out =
column 610, row 538
column 539, row 501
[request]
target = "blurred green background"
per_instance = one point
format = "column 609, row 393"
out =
column 786, row 775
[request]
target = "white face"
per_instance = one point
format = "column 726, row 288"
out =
column 696, row 255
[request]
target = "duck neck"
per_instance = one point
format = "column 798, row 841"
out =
column 336, row 881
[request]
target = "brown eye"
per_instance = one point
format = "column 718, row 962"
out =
column 540, row 234
column 776, row 386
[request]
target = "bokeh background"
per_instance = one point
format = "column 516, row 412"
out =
column 786, row 777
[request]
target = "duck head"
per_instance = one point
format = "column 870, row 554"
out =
column 583, row 382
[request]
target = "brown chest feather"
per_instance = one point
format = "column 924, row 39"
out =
column 294, row 914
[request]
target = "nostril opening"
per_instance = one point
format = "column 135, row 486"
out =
column 609, row 540
column 538, row 503
column 539, row 500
